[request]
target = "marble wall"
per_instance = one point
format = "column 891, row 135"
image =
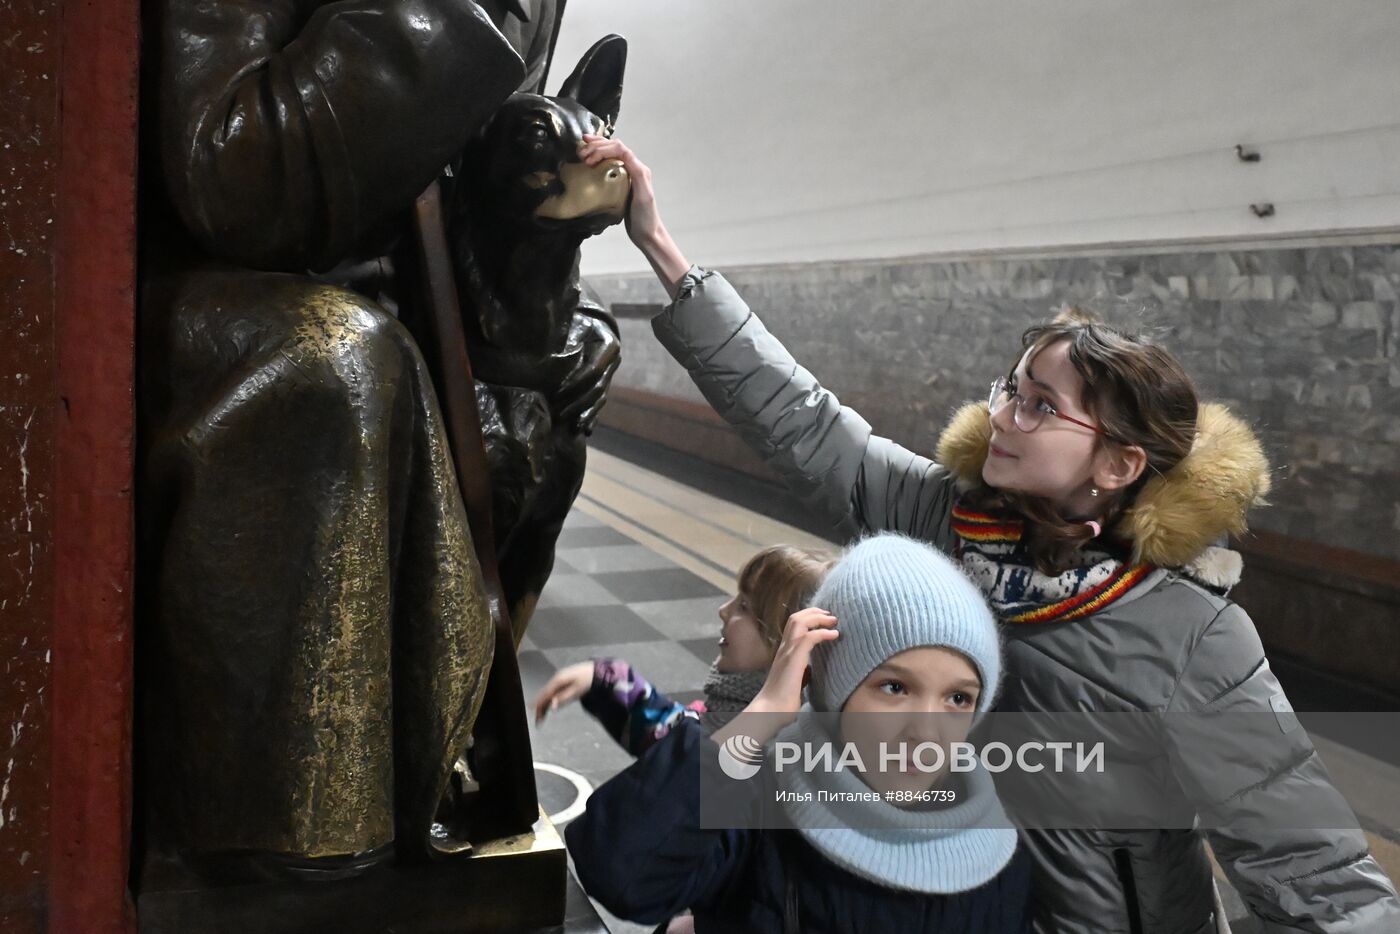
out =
column 1300, row 340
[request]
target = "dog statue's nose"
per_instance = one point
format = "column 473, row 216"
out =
column 599, row 189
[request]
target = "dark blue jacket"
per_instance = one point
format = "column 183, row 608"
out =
column 639, row 849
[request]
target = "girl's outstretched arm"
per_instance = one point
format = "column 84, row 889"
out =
column 644, row 224
column 626, row 704
column 826, row 453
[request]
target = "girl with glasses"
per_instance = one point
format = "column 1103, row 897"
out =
column 1083, row 498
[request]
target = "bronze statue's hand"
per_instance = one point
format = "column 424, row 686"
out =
column 568, row 685
column 643, row 219
column 585, row 388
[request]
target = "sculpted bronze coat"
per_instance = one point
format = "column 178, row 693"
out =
column 315, row 640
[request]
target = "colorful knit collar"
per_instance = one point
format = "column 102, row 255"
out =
column 991, row 553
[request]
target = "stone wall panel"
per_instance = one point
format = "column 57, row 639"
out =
column 1304, row 342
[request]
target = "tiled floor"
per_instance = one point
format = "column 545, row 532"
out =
column 643, row 566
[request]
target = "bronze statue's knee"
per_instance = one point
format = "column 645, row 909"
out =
column 217, row 318
column 348, row 349
column 231, row 336
column 333, row 322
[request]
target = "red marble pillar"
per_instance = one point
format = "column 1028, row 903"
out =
column 67, row 312
column 90, row 787
column 29, row 154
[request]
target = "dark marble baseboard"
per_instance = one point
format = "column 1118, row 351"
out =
column 518, row 885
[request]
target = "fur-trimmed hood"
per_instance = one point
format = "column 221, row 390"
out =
column 1178, row 516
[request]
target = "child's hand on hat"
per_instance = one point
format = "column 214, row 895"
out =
column 781, row 695
column 568, row 685
column 782, row 691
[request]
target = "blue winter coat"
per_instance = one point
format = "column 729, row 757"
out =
column 639, row 849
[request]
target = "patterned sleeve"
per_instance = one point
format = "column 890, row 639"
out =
column 627, row 705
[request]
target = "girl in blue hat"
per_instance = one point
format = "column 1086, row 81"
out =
column 898, row 634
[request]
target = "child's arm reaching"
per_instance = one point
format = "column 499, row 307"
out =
column 643, row 220
column 853, row 479
column 627, row 705
column 633, row 712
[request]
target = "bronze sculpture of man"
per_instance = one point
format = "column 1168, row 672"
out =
column 315, row 638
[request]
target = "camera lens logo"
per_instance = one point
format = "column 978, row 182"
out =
column 740, row 757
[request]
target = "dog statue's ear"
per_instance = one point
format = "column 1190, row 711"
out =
column 597, row 80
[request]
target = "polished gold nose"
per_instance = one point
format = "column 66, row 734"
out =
column 602, row 188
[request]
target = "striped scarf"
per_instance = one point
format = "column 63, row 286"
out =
column 992, row 555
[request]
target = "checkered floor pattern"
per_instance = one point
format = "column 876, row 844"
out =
column 611, row 596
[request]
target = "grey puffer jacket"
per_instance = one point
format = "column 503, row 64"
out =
column 1168, row 645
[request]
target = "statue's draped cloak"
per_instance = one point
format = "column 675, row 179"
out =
column 316, row 640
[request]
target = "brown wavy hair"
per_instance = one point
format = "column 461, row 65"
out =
column 1137, row 392
column 779, row 581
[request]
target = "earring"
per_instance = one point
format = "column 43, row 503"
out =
column 1093, row 491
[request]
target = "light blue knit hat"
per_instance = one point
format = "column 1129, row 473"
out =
column 890, row 593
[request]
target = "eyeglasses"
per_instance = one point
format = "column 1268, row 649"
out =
column 1030, row 409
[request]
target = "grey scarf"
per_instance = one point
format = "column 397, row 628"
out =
column 731, row 691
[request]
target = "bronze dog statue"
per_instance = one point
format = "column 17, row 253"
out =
column 542, row 355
